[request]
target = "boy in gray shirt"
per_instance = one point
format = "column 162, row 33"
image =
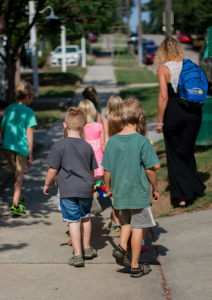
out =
column 73, row 160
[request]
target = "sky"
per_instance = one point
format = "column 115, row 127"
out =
column 134, row 16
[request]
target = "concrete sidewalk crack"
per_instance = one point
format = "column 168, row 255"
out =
column 164, row 282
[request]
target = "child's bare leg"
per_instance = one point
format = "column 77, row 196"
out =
column 18, row 182
column 86, row 232
column 75, row 234
column 136, row 244
column 125, row 234
column 116, row 216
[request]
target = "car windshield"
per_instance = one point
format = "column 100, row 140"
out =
column 152, row 50
column 68, row 50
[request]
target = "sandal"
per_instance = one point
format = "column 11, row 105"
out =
column 143, row 269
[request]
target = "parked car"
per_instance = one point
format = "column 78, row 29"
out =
column 134, row 37
column 149, row 55
column 144, row 44
column 184, row 37
column 73, row 56
column 92, row 37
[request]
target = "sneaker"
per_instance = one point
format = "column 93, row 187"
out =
column 122, row 257
column 20, row 211
column 143, row 269
column 77, row 261
column 116, row 228
column 89, row 253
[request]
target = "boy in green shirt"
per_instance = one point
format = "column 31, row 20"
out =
column 17, row 137
column 129, row 161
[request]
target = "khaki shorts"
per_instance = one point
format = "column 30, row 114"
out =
column 17, row 162
column 138, row 218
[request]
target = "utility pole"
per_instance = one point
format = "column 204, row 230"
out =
column 128, row 17
column 140, row 48
column 33, row 39
column 168, row 14
column 63, row 46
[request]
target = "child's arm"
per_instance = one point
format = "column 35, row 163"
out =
column 157, row 167
column 99, row 117
column 152, row 176
column 29, row 133
column 2, row 133
column 102, row 139
column 107, row 179
column 49, row 178
column 56, row 182
column 105, row 126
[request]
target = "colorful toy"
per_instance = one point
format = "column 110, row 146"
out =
column 99, row 187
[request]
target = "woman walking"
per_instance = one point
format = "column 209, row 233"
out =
column 180, row 125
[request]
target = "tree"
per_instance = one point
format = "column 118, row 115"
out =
column 15, row 25
column 77, row 15
column 188, row 15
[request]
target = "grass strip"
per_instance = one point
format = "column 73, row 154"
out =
column 203, row 156
column 127, row 76
column 148, row 97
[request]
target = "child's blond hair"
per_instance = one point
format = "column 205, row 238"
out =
column 23, row 89
column 90, row 109
column 113, row 105
column 75, row 119
column 114, row 123
column 131, row 110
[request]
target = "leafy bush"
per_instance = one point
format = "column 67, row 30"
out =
column 42, row 61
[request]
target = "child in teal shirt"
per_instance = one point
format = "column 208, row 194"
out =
column 17, row 137
column 129, row 161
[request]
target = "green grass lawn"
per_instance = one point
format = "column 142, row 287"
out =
column 47, row 116
column 148, row 97
column 203, row 156
column 127, row 76
column 55, row 84
column 90, row 62
column 125, row 60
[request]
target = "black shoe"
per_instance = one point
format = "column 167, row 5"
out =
column 122, row 257
column 143, row 269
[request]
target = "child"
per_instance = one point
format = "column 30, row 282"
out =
column 113, row 105
column 17, row 137
column 91, row 94
column 114, row 127
column 129, row 161
column 72, row 160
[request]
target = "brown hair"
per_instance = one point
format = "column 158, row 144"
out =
column 114, row 123
column 131, row 110
column 23, row 89
column 89, row 107
column 113, row 105
column 91, row 94
column 169, row 49
column 75, row 118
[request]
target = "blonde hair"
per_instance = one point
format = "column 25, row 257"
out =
column 89, row 107
column 169, row 49
column 75, row 119
column 114, row 123
column 23, row 89
column 131, row 110
column 113, row 105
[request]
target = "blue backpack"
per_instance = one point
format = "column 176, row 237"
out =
column 193, row 85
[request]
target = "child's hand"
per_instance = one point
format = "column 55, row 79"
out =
column 46, row 189
column 56, row 184
column 30, row 160
column 109, row 194
column 156, row 196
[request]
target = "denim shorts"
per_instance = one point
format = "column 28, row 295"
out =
column 75, row 209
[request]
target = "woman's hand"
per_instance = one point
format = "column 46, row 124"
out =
column 159, row 128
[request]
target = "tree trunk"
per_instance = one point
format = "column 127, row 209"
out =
column 17, row 73
column 11, row 68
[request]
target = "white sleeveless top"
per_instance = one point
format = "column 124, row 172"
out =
column 175, row 69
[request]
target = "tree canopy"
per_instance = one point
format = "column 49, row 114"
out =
column 188, row 14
